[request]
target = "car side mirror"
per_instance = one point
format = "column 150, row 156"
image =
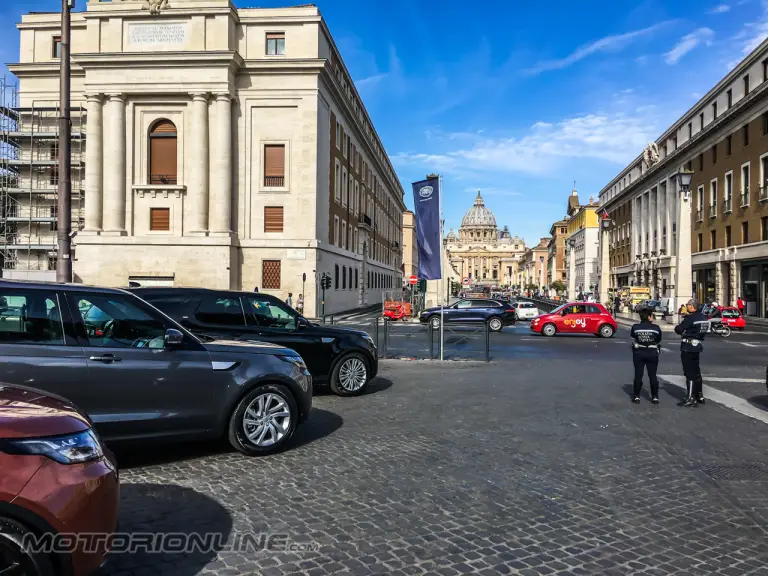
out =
column 173, row 338
column 302, row 323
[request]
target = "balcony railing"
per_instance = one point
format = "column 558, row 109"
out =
column 727, row 208
column 274, row 181
column 365, row 220
column 764, row 194
column 700, row 215
column 713, row 210
column 745, row 198
column 162, row 178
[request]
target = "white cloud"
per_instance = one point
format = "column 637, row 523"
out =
column 688, row 43
column 753, row 34
column 369, row 81
column 608, row 44
column 611, row 137
column 720, row 9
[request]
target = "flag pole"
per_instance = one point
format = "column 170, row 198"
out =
column 442, row 273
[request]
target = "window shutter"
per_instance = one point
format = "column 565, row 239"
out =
column 274, row 161
column 270, row 274
column 160, row 219
column 273, row 219
column 163, row 153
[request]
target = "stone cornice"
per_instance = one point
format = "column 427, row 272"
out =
column 186, row 59
column 33, row 69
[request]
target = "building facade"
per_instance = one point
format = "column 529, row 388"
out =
column 224, row 148
column 556, row 269
column 480, row 251
column 711, row 241
column 410, row 246
column 583, row 245
column 532, row 267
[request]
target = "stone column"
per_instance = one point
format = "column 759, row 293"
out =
column 197, row 180
column 683, row 275
column 94, row 162
column 669, row 215
column 114, row 159
column 220, row 204
column 657, row 218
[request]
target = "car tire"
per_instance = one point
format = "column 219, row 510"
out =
column 252, row 439
column 435, row 322
column 12, row 551
column 495, row 324
column 605, row 331
column 549, row 330
column 346, row 375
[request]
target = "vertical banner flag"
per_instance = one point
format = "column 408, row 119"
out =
column 426, row 203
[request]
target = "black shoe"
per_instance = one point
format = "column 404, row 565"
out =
column 636, row 399
column 655, row 400
column 688, row 403
column 701, row 400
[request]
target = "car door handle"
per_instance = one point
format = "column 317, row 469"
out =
column 106, row 358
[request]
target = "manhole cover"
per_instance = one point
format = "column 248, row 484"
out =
column 735, row 471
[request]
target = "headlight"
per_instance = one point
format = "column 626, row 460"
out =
column 70, row 449
column 297, row 361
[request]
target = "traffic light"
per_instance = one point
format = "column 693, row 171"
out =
column 325, row 281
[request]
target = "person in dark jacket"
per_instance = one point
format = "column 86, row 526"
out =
column 646, row 347
column 693, row 329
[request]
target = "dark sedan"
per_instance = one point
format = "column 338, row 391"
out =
column 496, row 314
column 344, row 358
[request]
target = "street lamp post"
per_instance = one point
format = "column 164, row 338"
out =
column 606, row 224
column 64, row 203
column 683, row 274
column 571, row 269
column 541, row 273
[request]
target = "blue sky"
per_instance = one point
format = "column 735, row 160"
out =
column 517, row 100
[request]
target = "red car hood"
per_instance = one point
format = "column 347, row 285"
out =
column 27, row 413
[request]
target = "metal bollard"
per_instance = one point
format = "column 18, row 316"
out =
column 386, row 339
column 376, row 332
column 430, row 340
column 487, row 343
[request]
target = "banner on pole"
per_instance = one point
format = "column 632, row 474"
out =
column 426, row 203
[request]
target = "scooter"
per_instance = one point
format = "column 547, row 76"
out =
column 717, row 327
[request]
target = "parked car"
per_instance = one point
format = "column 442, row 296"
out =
column 526, row 311
column 57, row 478
column 576, row 318
column 139, row 374
column 496, row 314
column 344, row 358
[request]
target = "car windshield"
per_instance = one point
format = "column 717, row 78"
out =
column 730, row 313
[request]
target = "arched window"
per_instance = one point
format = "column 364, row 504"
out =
column 162, row 153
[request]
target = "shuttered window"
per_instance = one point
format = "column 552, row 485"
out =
column 270, row 274
column 274, row 165
column 275, row 43
column 163, row 153
column 160, row 219
column 273, row 218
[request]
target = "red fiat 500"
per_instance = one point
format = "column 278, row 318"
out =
column 732, row 317
column 576, row 318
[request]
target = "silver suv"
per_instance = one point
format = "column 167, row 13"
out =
column 139, row 374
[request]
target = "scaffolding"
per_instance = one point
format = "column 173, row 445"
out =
column 29, row 172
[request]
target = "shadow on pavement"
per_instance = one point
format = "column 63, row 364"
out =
column 164, row 518
column 321, row 423
column 374, row 386
column 760, row 402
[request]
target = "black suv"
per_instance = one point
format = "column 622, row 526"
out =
column 139, row 374
column 343, row 358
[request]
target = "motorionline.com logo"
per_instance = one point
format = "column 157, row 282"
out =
column 164, row 543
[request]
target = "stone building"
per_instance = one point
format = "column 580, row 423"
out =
column 410, row 246
column 556, row 268
column 712, row 241
column 583, row 245
column 480, row 251
column 532, row 267
column 224, row 148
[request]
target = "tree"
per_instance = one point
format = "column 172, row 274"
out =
column 558, row 286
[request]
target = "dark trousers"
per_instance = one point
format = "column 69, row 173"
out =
column 646, row 360
column 692, row 371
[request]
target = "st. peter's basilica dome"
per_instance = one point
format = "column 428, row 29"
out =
column 478, row 215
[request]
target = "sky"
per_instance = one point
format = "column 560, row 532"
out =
column 519, row 99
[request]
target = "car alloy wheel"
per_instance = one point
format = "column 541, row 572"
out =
column 14, row 559
column 549, row 330
column 267, row 420
column 435, row 321
column 495, row 324
column 353, row 374
column 606, row 331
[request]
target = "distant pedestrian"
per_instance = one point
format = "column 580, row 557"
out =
column 289, row 300
column 740, row 304
column 256, row 289
column 300, row 304
column 616, row 305
column 646, row 342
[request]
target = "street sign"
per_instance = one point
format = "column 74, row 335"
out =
column 413, row 280
column 465, row 281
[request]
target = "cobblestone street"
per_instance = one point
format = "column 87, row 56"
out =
column 472, row 469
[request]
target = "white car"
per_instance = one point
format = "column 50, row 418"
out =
column 526, row 311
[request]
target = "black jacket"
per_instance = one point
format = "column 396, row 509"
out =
column 646, row 336
column 694, row 327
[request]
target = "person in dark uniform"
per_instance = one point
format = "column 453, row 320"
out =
column 646, row 342
column 693, row 329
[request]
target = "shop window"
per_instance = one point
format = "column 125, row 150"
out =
column 163, row 152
